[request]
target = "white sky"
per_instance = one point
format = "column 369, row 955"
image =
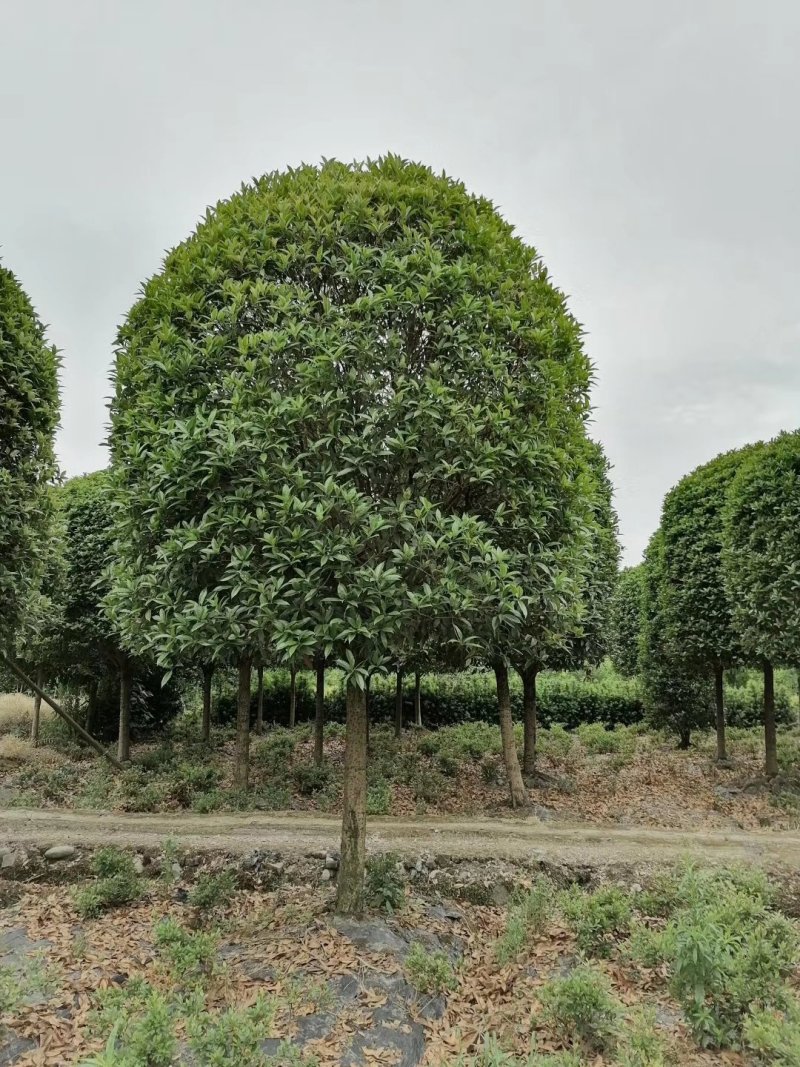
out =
column 648, row 150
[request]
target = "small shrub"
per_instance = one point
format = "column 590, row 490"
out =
column 383, row 886
column 526, row 918
column 491, row 1054
column 597, row 740
column 774, row 1036
column 271, row 797
column 275, row 751
column 581, row 1006
column 490, row 771
column 234, row 1038
column 117, row 883
column 379, row 798
column 205, row 803
column 597, row 918
column 310, row 779
column 191, row 955
column 17, row 984
column 430, row 973
column 212, row 890
column 641, row 1045
column 555, row 743
column 645, row 945
column 428, row 786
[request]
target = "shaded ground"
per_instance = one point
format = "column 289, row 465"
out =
column 305, row 834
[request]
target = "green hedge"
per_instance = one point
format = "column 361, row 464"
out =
column 449, row 699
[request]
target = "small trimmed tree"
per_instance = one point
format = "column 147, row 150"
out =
column 625, row 620
column 29, row 404
column 698, row 607
column 761, row 559
column 677, row 697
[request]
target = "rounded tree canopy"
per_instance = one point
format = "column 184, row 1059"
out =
column 29, row 407
column 327, row 403
column 762, row 550
column 625, row 620
column 698, row 606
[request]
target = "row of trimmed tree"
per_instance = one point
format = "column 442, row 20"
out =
column 719, row 587
column 348, row 427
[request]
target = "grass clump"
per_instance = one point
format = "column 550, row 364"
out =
column 384, row 887
column 212, row 890
column 379, row 798
column 492, row 1054
column 597, row 919
column 16, row 985
column 774, row 1036
column 117, row 882
column 527, row 917
column 582, row 1006
column 430, row 973
column 142, row 1023
column 641, row 1045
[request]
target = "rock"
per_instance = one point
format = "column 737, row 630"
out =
column 327, row 874
column 12, row 1047
column 542, row 814
column 345, row 987
column 500, row 895
column 404, row 1048
column 138, row 864
column 372, row 935
column 332, row 861
column 9, row 860
column 176, row 869
column 444, row 911
column 60, row 852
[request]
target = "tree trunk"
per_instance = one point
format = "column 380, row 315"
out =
column 398, row 704
column 124, row 738
column 91, row 706
column 798, row 696
column 367, row 684
column 208, row 675
column 529, row 710
column 719, row 697
column 519, row 794
column 241, row 769
column 685, row 737
column 260, row 707
column 350, row 886
column 770, row 731
column 292, row 696
column 37, row 708
column 417, row 699
column 319, row 713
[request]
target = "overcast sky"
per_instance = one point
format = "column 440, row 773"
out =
column 648, row 150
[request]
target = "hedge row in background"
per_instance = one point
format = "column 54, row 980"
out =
column 563, row 697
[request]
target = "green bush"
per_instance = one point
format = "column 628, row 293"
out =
column 384, row 887
column 117, row 882
column 234, row 1038
column 191, row 955
column 379, row 798
column 273, row 753
column 774, row 1036
column 430, row 973
column 597, row 919
column 310, row 779
column 581, row 1006
column 212, row 890
column 641, row 1045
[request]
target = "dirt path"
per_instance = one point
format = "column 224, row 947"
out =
column 301, row 834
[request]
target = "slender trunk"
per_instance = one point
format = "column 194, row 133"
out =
column 37, row 707
column 519, row 794
column 260, row 706
column 529, row 710
column 241, row 769
column 350, row 886
column 79, row 730
column 91, row 705
column 770, row 731
column 208, row 675
column 319, row 713
column 292, row 696
column 367, row 684
column 719, row 698
column 685, row 736
column 417, row 699
column 124, row 738
column 798, row 696
column 398, row 704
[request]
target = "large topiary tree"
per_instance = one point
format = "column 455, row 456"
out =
column 29, row 407
column 698, row 607
column 324, row 402
column 761, row 559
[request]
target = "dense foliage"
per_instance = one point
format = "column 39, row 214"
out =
column 29, row 404
column 625, row 620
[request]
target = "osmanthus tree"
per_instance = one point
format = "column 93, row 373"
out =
column 761, row 561
column 568, row 627
column 315, row 400
column 677, row 695
column 698, row 607
column 625, row 620
column 29, row 410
